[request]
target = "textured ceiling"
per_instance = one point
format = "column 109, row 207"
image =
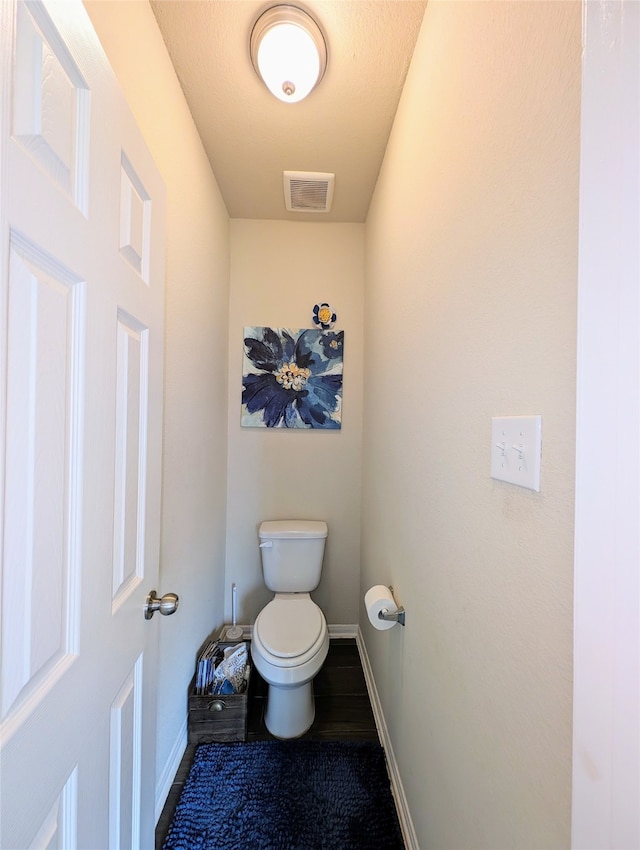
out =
column 251, row 137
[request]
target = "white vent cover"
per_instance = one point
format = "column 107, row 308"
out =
column 308, row 191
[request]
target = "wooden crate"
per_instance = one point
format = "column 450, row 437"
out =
column 217, row 718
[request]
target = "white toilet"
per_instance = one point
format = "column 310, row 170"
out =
column 290, row 637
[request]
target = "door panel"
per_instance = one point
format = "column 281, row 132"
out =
column 125, row 761
column 40, row 617
column 82, row 229
column 130, row 456
column 51, row 103
column 59, row 827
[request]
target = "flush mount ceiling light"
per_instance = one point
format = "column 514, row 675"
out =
column 288, row 52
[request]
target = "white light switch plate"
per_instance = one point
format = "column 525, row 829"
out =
column 516, row 449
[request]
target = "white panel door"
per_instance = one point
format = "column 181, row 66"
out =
column 82, row 230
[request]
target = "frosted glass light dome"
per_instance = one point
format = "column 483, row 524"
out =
column 288, row 52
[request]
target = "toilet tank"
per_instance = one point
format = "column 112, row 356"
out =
column 292, row 552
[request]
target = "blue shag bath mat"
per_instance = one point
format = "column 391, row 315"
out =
column 286, row 795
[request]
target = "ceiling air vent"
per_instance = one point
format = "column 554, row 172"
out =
column 308, row 191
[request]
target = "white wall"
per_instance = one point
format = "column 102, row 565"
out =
column 195, row 422
column 279, row 270
column 471, row 269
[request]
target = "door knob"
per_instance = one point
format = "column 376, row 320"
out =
column 167, row 604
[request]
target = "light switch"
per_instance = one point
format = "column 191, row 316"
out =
column 516, row 449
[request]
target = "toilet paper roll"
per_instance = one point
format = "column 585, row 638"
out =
column 376, row 599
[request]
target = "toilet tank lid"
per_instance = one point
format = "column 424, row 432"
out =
column 292, row 529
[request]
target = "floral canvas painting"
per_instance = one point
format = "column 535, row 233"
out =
column 292, row 378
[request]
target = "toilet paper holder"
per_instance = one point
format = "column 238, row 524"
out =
column 394, row 616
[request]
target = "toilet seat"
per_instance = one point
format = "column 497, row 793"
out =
column 290, row 630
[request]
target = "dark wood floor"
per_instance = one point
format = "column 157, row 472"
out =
column 343, row 713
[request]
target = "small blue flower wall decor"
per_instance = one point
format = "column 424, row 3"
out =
column 324, row 316
column 292, row 378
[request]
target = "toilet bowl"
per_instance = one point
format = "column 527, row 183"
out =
column 289, row 645
column 290, row 639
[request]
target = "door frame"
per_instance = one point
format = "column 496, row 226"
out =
column 606, row 747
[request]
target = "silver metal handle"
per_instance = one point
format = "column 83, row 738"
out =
column 216, row 705
column 167, row 604
column 396, row 616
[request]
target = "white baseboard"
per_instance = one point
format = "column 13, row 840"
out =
column 163, row 786
column 342, row 630
column 402, row 806
column 336, row 630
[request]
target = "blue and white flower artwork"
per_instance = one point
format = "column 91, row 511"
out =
column 324, row 316
column 292, row 378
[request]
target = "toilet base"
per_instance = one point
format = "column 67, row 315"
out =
column 290, row 710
